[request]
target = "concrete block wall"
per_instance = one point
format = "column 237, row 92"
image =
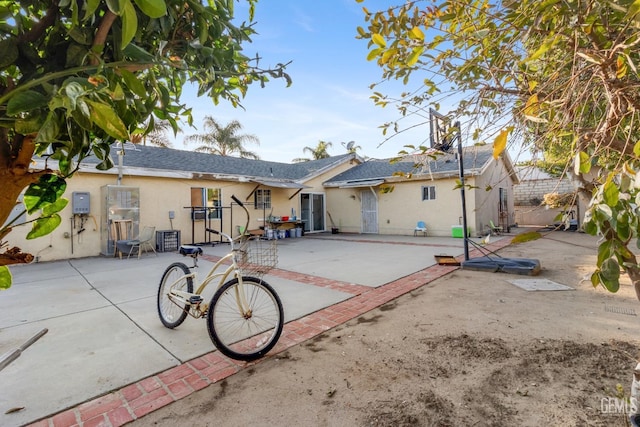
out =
column 531, row 192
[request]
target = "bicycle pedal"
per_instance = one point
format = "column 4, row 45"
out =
column 195, row 299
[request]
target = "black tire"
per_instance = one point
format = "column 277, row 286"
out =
column 171, row 313
column 239, row 336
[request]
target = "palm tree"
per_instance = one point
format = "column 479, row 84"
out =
column 317, row 152
column 157, row 136
column 223, row 140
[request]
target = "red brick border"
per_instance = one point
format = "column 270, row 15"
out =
column 149, row 394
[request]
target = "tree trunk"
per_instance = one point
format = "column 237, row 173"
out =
column 634, row 275
column 15, row 177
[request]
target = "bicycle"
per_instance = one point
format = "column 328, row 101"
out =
column 245, row 316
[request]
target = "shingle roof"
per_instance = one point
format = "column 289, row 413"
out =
column 474, row 158
column 190, row 161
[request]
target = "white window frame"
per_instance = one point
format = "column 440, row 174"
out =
column 260, row 197
column 430, row 192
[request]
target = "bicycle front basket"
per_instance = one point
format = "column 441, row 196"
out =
column 256, row 257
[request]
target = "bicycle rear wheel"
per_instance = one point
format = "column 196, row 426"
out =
column 245, row 333
column 172, row 313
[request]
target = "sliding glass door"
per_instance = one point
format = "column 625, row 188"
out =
column 312, row 205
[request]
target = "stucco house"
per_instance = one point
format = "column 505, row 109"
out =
column 176, row 190
column 182, row 193
column 360, row 199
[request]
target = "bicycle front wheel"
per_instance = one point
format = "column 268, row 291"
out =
column 172, row 312
column 245, row 319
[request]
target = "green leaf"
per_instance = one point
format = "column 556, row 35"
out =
column 582, row 163
column 137, row 53
column 548, row 44
column 152, row 8
column 133, row 83
column 54, row 207
column 5, row 277
column 10, row 52
column 378, row 40
column 107, row 119
column 604, row 252
column 115, row 6
column 129, row 22
column 90, row 7
column 27, row 100
column 28, row 126
column 610, row 274
column 611, row 194
column 47, row 190
column 595, row 280
column 415, row 55
column 416, row 34
column 44, row 226
column 374, row 53
column 633, row 9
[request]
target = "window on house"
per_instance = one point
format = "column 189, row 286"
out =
column 428, row 192
column 262, row 199
column 206, row 202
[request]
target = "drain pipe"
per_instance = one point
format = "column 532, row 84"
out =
column 120, row 159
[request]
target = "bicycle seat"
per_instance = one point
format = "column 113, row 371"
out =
column 193, row 251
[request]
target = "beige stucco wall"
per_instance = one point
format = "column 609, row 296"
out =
column 401, row 209
column 158, row 196
column 487, row 196
column 315, row 186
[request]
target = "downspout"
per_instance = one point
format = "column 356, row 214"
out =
column 120, row 160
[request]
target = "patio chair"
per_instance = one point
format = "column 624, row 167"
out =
column 494, row 228
column 143, row 242
column 421, row 227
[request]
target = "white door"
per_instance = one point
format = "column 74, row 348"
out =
column 369, row 208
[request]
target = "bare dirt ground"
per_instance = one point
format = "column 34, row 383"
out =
column 470, row 349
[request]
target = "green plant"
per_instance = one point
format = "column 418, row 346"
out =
column 559, row 77
column 79, row 76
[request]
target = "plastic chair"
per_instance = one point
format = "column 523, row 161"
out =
column 421, row 227
column 143, row 242
column 494, row 228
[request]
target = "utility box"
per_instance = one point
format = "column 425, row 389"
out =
column 80, row 202
column 167, row 240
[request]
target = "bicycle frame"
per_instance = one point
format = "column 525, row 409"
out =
column 198, row 308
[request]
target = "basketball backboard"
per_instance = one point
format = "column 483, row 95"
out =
column 441, row 132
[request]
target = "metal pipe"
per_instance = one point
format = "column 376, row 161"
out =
column 464, row 202
column 12, row 355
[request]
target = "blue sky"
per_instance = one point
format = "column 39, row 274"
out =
column 329, row 97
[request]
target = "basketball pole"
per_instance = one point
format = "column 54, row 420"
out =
column 464, row 202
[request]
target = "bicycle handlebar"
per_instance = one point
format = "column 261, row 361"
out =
column 235, row 199
column 246, row 225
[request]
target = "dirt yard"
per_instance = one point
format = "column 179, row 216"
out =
column 470, row 349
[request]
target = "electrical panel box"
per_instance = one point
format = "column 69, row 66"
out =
column 80, row 202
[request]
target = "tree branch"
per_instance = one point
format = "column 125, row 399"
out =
column 41, row 26
column 101, row 35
